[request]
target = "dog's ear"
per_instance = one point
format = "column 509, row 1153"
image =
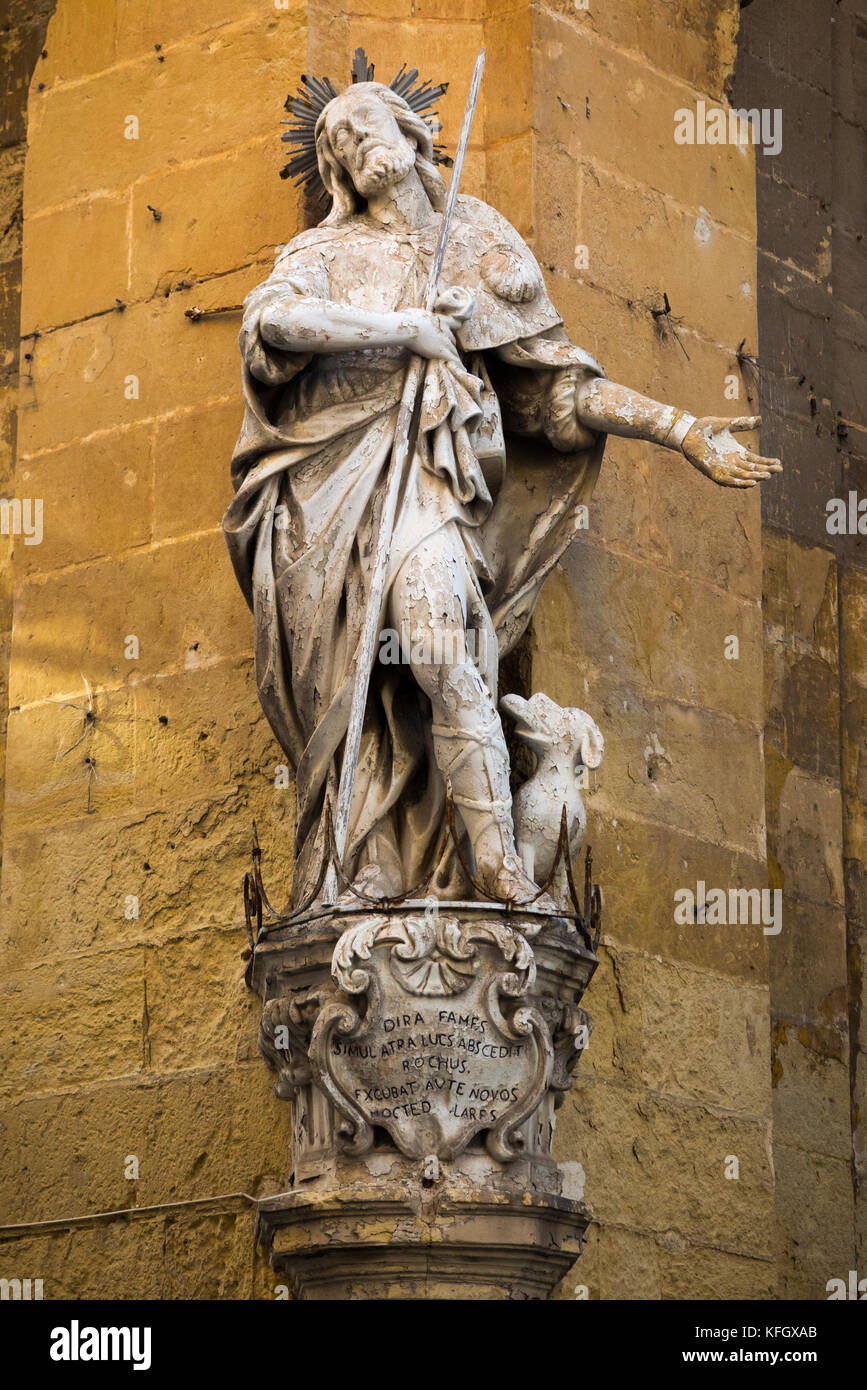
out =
column 592, row 743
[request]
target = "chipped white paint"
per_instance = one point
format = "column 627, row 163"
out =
column 346, row 520
column 565, row 742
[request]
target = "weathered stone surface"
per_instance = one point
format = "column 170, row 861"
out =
column 68, row 888
column 816, row 1231
column 651, row 764
column 811, row 1086
column 96, row 499
column 640, row 907
column 657, row 1164
column 77, row 128
column 808, row 962
column 695, row 40
column 805, row 831
column 196, row 1134
column 120, row 368
column 63, row 762
column 800, row 594
column 634, row 612
column 63, row 636
column 803, row 696
column 631, row 123
column 182, row 245
column 93, row 233
column 91, row 1022
column 799, row 223
column 711, row 1046
column 184, row 1255
column 188, row 496
column 677, row 246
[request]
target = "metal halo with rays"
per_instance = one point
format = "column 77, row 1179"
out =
column 307, row 103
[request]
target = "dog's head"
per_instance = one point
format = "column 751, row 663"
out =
column 542, row 724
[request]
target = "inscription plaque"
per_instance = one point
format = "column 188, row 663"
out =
column 430, row 1039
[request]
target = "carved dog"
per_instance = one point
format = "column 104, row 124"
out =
column 565, row 741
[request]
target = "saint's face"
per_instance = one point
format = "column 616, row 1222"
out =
column 368, row 142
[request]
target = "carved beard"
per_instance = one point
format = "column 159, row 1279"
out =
column 384, row 167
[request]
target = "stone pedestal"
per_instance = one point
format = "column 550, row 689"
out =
column 425, row 1049
column 403, row 1239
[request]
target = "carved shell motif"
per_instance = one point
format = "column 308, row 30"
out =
column 431, row 955
column 509, row 275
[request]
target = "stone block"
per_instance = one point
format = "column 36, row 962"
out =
column 509, row 180
column 224, row 1025
column 508, row 94
column 121, row 368
column 73, row 1022
column 795, row 227
column 656, row 626
column 812, row 469
column 162, row 22
column 805, row 833
column 800, row 594
column 69, row 758
column 849, row 45
column 96, row 500
column 557, row 189
column 641, row 243
column 808, row 962
column 203, row 731
column 194, row 238
column 814, row 1214
column 77, row 130
column 631, row 123
column 687, row 38
column 656, row 1165
column 80, row 41
column 208, row 1131
column 192, row 452
column 639, row 903
column 67, row 888
column 806, row 124
column 850, row 275
column 688, row 1271
column 802, row 50
column 192, row 1254
column 688, row 768
column 90, row 240
column 803, row 696
column 11, row 184
column 705, row 1037
column 850, row 197
column 62, row 634
column 796, row 312
column 812, row 1101
column 20, row 51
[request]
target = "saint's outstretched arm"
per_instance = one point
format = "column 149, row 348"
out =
column 708, row 443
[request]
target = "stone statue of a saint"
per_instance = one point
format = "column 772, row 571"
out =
column 512, row 427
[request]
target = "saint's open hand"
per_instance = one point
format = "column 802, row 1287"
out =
column 712, row 448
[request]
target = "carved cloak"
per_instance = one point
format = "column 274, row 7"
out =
column 501, row 461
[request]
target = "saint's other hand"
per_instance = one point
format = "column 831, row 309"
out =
column 711, row 447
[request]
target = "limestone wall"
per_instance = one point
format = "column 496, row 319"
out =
column 812, row 209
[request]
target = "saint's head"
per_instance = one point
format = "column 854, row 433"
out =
column 367, row 140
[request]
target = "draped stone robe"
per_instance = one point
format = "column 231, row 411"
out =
column 501, row 462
